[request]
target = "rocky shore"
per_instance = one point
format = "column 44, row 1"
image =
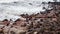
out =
column 47, row 22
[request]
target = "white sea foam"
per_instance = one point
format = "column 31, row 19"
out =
column 11, row 9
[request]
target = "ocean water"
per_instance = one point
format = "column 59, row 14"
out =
column 11, row 9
